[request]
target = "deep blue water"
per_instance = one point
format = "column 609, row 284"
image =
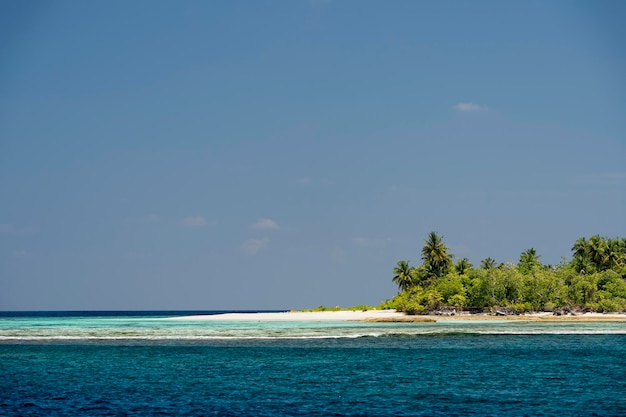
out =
column 308, row 369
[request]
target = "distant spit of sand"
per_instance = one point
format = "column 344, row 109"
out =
column 393, row 316
column 300, row 316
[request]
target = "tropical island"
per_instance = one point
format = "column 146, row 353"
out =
column 594, row 280
column 587, row 287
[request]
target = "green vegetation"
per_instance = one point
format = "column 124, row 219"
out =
column 337, row 308
column 594, row 280
column 322, row 308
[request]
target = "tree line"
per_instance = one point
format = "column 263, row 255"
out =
column 593, row 280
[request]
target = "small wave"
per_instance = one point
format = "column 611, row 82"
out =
column 182, row 338
column 291, row 336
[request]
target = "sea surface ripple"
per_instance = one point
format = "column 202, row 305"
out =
column 144, row 365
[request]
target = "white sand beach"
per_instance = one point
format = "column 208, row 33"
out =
column 301, row 316
column 393, row 316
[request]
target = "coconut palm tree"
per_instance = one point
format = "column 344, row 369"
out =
column 597, row 249
column 404, row 276
column 528, row 260
column 462, row 266
column 435, row 255
column 488, row 263
column 580, row 248
column 616, row 255
column 581, row 260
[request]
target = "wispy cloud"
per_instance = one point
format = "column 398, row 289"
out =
column 148, row 218
column 602, row 178
column 302, row 181
column 194, row 221
column 265, row 224
column 10, row 229
column 609, row 176
column 152, row 218
column 470, row 107
column 19, row 254
column 254, row 246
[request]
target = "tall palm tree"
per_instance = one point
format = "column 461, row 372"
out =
column 616, row 255
column 435, row 255
column 404, row 276
column 488, row 263
column 528, row 260
column 580, row 259
column 462, row 266
column 580, row 248
column 597, row 248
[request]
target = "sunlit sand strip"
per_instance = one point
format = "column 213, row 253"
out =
column 395, row 317
column 303, row 316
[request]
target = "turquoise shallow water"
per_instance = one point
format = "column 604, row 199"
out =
column 118, row 365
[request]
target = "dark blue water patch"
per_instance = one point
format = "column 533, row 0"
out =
column 488, row 375
column 127, row 313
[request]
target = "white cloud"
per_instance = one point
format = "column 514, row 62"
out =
column 9, row 229
column 468, row 107
column 265, row 224
column 153, row 218
column 194, row 221
column 602, row 178
column 148, row 218
column 303, row 181
column 253, row 246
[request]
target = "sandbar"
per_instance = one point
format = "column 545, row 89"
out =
column 343, row 315
column 394, row 316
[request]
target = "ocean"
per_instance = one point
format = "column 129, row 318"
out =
column 144, row 364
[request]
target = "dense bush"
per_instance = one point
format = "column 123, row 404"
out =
column 594, row 280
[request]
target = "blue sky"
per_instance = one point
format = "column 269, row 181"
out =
column 286, row 154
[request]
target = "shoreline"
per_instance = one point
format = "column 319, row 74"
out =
column 392, row 316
